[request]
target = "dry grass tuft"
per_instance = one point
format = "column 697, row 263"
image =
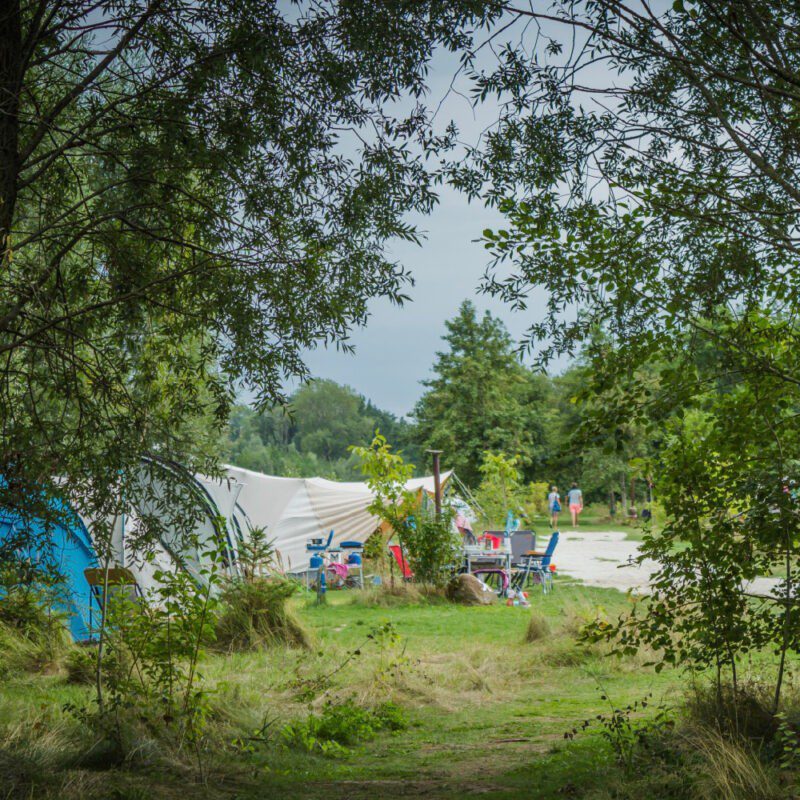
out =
column 255, row 614
column 731, row 770
column 538, row 628
column 402, row 593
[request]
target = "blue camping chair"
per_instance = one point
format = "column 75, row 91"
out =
column 320, row 548
column 541, row 564
column 316, row 564
column 536, row 565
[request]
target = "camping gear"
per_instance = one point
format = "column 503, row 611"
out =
column 536, row 566
column 355, row 561
column 491, row 562
column 295, row 510
column 493, row 577
column 522, row 542
column 492, row 540
column 63, row 546
column 397, row 553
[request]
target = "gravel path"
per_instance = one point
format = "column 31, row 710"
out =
column 602, row 558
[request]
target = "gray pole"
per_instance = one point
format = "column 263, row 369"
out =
column 437, row 485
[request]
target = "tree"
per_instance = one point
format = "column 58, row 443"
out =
column 311, row 436
column 190, row 194
column 329, row 419
column 661, row 204
column 480, row 398
column 655, row 196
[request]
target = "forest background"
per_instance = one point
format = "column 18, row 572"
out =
column 480, row 399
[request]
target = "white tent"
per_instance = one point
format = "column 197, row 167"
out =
column 294, row 510
column 215, row 525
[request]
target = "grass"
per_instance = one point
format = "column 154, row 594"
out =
column 487, row 709
column 486, row 695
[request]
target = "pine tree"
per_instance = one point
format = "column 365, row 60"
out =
column 480, row 398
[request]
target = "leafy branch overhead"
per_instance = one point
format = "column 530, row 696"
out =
column 190, row 196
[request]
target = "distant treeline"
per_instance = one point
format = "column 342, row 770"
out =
column 480, row 397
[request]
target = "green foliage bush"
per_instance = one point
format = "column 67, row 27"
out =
column 254, row 614
column 430, row 543
column 32, row 636
column 341, row 725
column 81, row 666
column 431, row 546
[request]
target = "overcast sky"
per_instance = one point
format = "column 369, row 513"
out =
column 397, row 348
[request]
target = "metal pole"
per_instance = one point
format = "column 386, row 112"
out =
column 437, row 485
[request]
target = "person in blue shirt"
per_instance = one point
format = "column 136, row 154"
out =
column 554, row 504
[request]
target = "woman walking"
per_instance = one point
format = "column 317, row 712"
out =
column 554, row 504
column 575, row 500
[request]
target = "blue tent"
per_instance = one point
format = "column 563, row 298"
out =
column 63, row 546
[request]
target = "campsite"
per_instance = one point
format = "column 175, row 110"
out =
column 399, row 399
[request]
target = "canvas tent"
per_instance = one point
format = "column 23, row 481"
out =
column 215, row 521
column 61, row 546
column 294, row 510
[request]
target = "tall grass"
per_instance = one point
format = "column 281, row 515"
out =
column 255, row 614
column 730, row 769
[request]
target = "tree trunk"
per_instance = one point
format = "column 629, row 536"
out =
column 10, row 86
column 624, row 495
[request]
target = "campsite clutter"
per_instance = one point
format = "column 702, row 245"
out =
column 318, row 529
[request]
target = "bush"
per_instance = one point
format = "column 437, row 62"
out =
column 32, row 638
column 80, row 664
column 432, row 547
column 254, row 614
column 341, row 725
column 745, row 713
column 538, row 628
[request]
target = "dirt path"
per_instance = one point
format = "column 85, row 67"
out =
column 603, row 558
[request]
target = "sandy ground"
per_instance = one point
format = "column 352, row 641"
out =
column 603, row 558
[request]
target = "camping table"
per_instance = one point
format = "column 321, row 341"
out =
column 480, row 557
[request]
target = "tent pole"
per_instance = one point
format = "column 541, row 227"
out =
column 437, row 483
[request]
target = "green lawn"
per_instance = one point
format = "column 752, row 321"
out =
column 487, row 710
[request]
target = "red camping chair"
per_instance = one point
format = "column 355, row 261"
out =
column 399, row 557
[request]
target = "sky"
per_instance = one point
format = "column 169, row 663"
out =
column 396, row 349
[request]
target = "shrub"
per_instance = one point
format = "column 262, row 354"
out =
column 341, row 725
column 31, row 637
column 432, row 547
column 744, row 713
column 538, row 628
column 254, row 614
column 17, row 652
column 80, row 664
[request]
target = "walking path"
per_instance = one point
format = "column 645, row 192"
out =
column 603, row 558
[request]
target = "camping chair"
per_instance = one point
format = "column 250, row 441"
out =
column 316, row 564
column 541, row 563
column 522, row 542
column 319, row 548
column 536, row 565
column 119, row 582
column 397, row 553
column 355, row 562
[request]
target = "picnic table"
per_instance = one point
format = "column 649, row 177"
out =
column 479, row 558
